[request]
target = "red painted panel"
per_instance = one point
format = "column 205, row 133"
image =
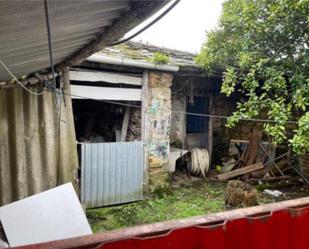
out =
column 283, row 229
column 283, row 225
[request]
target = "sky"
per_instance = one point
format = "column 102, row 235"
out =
column 184, row 27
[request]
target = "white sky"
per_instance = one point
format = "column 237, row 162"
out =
column 184, row 27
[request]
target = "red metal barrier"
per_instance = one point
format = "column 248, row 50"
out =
column 282, row 225
column 284, row 229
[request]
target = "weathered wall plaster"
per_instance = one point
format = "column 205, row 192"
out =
column 158, row 116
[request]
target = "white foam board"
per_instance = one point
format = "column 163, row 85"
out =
column 51, row 215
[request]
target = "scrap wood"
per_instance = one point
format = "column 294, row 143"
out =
column 299, row 173
column 272, row 179
column 259, row 173
column 240, row 171
column 282, row 165
column 271, row 160
column 125, row 124
column 229, row 165
column 253, row 147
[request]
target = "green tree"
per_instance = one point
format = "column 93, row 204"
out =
column 262, row 46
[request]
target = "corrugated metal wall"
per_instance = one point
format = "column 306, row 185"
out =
column 112, row 173
column 35, row 153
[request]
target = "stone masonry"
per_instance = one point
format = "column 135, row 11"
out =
column 157, row 130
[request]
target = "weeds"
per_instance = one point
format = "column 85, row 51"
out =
column 182, row 202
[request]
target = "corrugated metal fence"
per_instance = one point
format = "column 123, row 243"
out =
column 37, row 150
column 112, row 173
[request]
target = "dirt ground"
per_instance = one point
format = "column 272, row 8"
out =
column 182, row 200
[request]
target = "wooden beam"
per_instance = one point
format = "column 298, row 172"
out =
column 271, row 160
column 139, row 11
column 240, row 171
column 105, row 93
column 115, row 78
column 210, row 129
column 125, row 124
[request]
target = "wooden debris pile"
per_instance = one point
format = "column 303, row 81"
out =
column 254, row 159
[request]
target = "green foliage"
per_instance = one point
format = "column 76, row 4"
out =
column 301, row 136
column 160, row 58
column 263, row 48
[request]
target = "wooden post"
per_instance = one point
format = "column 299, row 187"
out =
column 184, row 132
column 210, row 129
column 125, row 124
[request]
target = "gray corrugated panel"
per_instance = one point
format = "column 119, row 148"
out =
column 112, row 173
column 23, row 33
column 35, row 153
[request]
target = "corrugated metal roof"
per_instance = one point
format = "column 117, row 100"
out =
column 74, row 25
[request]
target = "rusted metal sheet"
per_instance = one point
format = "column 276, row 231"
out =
column 281, row 225
column 37, row 147
column 112, row 173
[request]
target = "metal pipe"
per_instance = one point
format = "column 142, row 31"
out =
column 132, row 63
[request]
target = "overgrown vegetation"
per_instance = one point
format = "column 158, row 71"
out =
column 199, row 198
column 263, row 48
column 160, row 58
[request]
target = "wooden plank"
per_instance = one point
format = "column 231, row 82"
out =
column 240, row 171
column 251, row 152
column 105, row 93
column 210, row 129
column 113, row 78
column 240, row 141
column 125, row 124
column 277, row 167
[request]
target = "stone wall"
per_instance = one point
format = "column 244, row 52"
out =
column 225, row 106
column 178, row 129
column 222, row 106
column 157, row 130
column 222, row 135
column 134, row 127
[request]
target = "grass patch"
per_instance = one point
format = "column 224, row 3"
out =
column 160, row 58
column 198, row 199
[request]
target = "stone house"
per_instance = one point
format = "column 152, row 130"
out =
column 37, row 133
column 169, row 106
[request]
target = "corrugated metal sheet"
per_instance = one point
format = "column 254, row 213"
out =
column 283, row 229
column 74, row 23
column 35, row 153
column 112, row 173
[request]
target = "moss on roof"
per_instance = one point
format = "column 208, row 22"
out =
column 146, row 52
